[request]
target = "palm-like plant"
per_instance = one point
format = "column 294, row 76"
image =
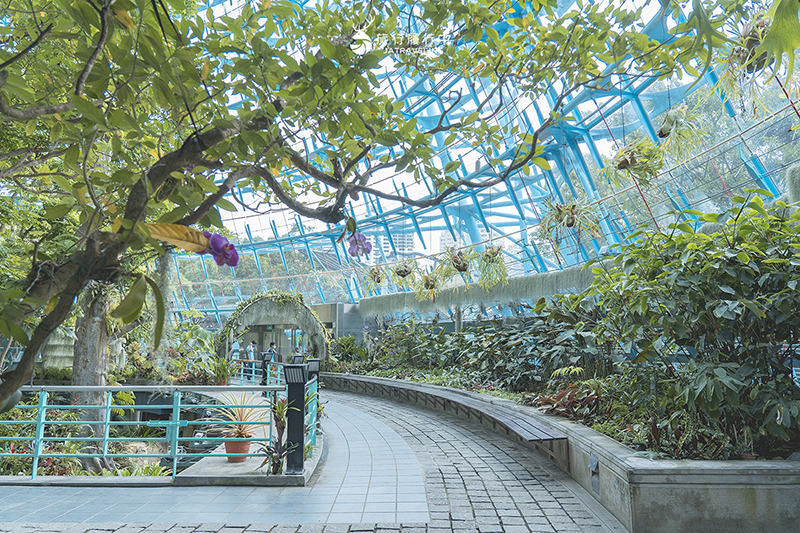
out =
column 238, row 419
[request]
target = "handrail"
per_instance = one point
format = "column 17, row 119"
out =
column 38, row 442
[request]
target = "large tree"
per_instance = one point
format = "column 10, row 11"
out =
column 134, row 102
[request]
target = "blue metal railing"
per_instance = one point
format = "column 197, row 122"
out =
column 249, row 371
column 312, row 413
column 42, row 417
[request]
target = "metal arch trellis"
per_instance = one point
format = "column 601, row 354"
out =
column 498, row 209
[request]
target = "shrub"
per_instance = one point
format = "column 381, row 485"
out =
column 725, row 301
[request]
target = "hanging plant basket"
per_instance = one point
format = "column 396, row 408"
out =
column 403, row 273
column 571, row 218
column 642, row 159
column 492, row 267
column 460, row 263
column 680, row 133
column 750, row 38
column 374, row 277
column 427, row 287
column 456, row 264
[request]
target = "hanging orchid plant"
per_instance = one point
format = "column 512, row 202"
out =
column 357, row 241
column 559, row 221
column 404, row 273
column 492, row 267
column 453, row 263
column 427, row 286
column 220, row 249
column 375, row 278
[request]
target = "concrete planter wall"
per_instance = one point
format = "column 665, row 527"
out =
column 647, row 496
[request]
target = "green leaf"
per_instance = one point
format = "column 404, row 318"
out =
column 128, row 310
column 451, row 166
column 783, row 36
column 57, row 211
column 542, row 163
column 743, row 257
column 88, row 110
column 160, row 311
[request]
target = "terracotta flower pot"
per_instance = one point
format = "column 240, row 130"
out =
column 237, row 446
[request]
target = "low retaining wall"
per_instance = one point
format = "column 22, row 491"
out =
column 647, row 496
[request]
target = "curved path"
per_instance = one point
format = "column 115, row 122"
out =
column 390, row 468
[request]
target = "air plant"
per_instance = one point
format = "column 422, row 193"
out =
column 492, row 267
column 571, row 218
column 403, row 273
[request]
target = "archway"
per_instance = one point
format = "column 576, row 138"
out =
column 274, row 307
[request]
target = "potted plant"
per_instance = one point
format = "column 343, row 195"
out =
column 561, row 220
column 492, row 267
column 740, row 63
column 238, row 422
column 680, row 133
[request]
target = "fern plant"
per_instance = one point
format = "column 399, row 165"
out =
column 642, row 159
column 454, row 263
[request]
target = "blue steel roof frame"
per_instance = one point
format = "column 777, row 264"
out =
column 421, row 95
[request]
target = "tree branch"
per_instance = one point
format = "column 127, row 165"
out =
column 23, row 164
column 28, row 49
column 30, row 113
column 331, row 214
column 210, row 200
column 101, row 43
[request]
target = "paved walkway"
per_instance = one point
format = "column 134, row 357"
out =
column 390, row 468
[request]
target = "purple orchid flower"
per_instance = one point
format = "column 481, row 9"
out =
column 221, row 250
column 358, row 244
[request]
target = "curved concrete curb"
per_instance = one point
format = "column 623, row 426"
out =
column 646, row 495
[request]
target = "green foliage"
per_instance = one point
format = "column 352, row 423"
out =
column 561, row 221
column 140, row 368
column 21, row 465
column 724, row 301
column 239, row 418
column 492, row 267
column 347, row 349
column 53, row 375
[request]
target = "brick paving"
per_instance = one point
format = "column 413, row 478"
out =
column 446, row 475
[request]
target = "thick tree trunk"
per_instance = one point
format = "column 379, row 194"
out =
column 89, row 368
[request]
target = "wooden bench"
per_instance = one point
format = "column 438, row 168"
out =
column 514, row 424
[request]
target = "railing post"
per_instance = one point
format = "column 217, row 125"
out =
column 295, row 417
column 313, row 394
column 37, row 443
column 313, row 368
column 174, row 430
column 109, row 399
